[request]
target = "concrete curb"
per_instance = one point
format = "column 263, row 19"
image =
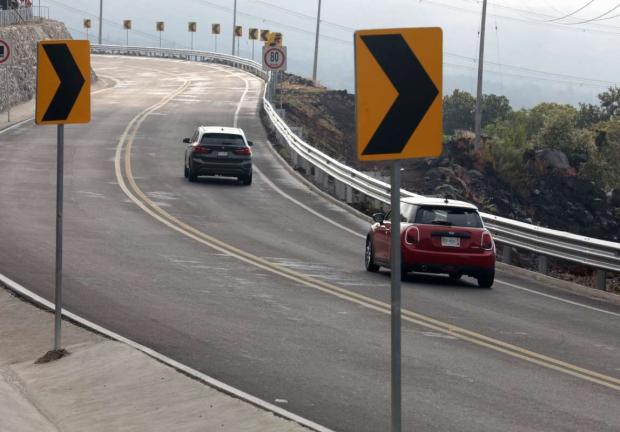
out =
column 39, row 301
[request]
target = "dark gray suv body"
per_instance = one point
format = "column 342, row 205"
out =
column 218, row 151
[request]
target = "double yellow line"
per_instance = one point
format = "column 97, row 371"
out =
column 130, row 188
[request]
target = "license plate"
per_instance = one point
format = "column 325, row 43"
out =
column 222, row 154
column 451, row 241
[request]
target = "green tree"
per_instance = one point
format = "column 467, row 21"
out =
column 494, row 108
column 458, row 111
column 607, row 163
column 589, row 114
column 610, row 102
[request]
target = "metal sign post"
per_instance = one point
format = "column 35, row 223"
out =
column 63, row 97
column 7, row 76
column 5, row 55
column 395, row 272
column 215, row 30
column 127, row 27
column 398, row 76
column 60, row 144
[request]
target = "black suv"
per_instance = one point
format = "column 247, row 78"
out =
column 218, row 151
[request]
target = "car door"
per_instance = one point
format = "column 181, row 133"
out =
column 381, row 242
column 193, row 140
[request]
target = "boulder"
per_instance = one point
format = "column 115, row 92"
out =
column 551, row 159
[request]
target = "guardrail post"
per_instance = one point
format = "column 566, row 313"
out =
column 348, row 192
column 543, row 264
column 600, row 279
column 340, row 190
column 325, row 181
column 506, row 253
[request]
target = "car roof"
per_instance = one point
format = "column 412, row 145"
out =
column 438, row 202
column 220, row 129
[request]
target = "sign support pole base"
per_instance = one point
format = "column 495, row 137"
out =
column 59, row 211
column 395, row 277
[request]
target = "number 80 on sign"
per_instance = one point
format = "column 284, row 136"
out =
column 274, row 58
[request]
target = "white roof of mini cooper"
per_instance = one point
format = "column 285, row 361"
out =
column 439, row 202
column 220, row 129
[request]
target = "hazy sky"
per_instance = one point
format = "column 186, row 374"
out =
column 532, row 54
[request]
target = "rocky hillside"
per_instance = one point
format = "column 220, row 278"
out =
column 549, row 193
column 22, row 65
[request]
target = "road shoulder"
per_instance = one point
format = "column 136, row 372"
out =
column 104, row 385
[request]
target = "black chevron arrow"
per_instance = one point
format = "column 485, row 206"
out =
column 416, row 93
column 71, row 82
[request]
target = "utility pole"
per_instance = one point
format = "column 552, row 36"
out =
column 316, row 43
column 478, row 118
column 234, row 26
column 100, row 19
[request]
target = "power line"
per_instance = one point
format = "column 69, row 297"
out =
column 598, row 17
column 540, row 20
column 572, row 13
column 85, row 13
column 518, row 71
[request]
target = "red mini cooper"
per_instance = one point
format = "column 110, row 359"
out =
column 436, row 236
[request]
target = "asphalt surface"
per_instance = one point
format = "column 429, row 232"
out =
column 321, row 355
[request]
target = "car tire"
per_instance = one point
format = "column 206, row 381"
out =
column 191, row 174
column 486, row 278
column 369, row 257
column 455, row 276
column 246, row 180
column 186, row 172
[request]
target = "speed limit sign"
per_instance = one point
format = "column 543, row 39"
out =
column 5, row 51
column 274, row 58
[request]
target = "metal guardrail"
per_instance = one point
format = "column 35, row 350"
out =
column 351, row 185
column 22, row 15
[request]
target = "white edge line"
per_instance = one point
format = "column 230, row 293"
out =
column 574, row 303
column 212, row 382
column 269, row 182
column 22, row 122
column 350, row 231
column 16, row 125
column 303, row 206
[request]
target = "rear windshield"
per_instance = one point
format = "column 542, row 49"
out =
column 222, row 139
column 461, row 217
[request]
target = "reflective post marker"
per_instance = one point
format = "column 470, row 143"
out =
column 395, row 269
column 59, row 201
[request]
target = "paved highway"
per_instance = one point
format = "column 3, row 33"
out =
column 251, row 286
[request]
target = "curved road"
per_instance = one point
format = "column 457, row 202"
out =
column 251, row 286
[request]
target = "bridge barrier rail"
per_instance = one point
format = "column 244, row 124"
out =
column 352, row 186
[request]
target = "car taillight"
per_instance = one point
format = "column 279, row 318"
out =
column 487, row 241
column 244, row 151
column 202, row 150
column 412, row 235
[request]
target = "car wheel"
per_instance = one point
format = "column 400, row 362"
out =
column 485, row 280
column 369, row 257
column 246, row 180
column 186, row 172
column 191, row 174
column 455, row 276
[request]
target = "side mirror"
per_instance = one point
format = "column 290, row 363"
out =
column 186, row 140
column 378, row 217
column 250, row 143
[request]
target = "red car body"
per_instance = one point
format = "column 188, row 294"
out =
column 437, row 236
